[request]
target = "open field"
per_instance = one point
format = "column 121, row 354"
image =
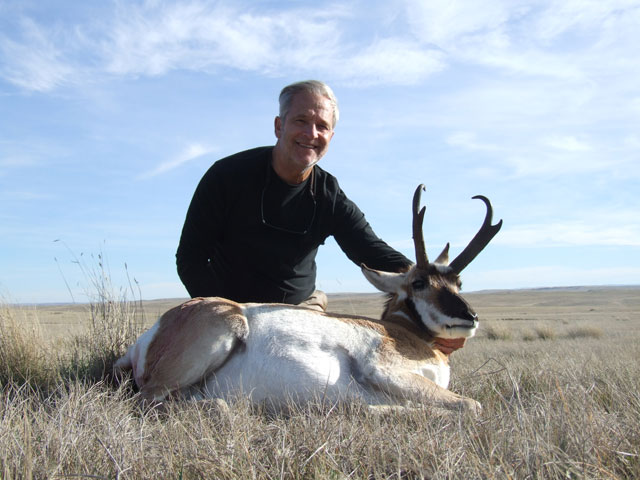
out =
column 562, row 309
column 557, row 372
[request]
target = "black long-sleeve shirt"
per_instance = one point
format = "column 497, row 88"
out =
column 250, row 237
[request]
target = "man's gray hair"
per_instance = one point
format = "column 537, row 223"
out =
column 314, row 87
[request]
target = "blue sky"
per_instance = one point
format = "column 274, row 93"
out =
column 111, row 111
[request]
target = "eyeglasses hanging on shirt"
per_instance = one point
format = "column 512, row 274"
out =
column 288, row 208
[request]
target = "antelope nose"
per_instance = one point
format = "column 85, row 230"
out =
column 469, row 314
column 455, row 306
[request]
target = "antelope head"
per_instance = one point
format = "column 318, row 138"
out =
column 428, row 294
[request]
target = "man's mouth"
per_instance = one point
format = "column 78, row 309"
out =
column 306, row 145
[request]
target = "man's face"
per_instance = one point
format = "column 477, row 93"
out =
column 305, row 133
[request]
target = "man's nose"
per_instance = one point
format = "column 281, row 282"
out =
column 310, row 130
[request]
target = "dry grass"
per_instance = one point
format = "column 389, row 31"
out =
column 25, row 356
column 562, row 405
column 498, row 331
column 585, row 331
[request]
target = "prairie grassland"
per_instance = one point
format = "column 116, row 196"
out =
column 557, row 372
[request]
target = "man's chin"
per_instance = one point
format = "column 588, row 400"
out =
column 307, row 162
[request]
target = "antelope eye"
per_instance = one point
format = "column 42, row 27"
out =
column 418, row 284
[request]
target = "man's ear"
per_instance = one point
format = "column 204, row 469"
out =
column 277, row 124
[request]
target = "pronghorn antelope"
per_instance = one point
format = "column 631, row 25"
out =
column 213, row 347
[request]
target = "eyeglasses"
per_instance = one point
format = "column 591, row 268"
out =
column 312, row 186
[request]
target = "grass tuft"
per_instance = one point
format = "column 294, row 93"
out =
column 587, row 331
column 114, row 325
column 539, row 332
column 497, row 332
column 545, row 332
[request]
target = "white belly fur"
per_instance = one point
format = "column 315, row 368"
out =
column 440, row 373
column 301, row 356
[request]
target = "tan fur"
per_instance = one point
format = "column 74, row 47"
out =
column 196, row 334
column 406, row 345
column 397, row 338
column 421, row 390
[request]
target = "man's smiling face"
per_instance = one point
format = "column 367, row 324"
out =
column 303, row 136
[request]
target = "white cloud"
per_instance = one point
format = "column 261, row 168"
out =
column 567, row 143
column 568, row 16
column 24, row 195
column 190, row 152
column 558, row 162
column 469, row 141
column 570, row 40
column 18, row 153
column 153, row 41
column 632, row 142
column 444, row 22
column 37, row 62
column 555, row 155
column 155, row 38
column 391, row 61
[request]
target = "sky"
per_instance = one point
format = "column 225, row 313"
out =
column 111, row 112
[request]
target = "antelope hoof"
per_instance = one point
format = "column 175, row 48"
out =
column 471, row 406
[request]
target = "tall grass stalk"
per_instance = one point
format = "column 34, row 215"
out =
column 114, row 322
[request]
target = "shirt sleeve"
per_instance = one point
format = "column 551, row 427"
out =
column 200, row 233
column 359, row 242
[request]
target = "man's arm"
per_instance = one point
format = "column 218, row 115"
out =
column 200, row 233
column 359, row 242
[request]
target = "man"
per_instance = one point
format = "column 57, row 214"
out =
column 257, row 218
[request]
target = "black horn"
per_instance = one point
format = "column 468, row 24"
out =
column 481, row 239
column 418, row 238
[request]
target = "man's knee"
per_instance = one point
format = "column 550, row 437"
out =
column 317, row 301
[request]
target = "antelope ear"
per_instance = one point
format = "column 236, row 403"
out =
column 388, row 282
column 443, row 258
